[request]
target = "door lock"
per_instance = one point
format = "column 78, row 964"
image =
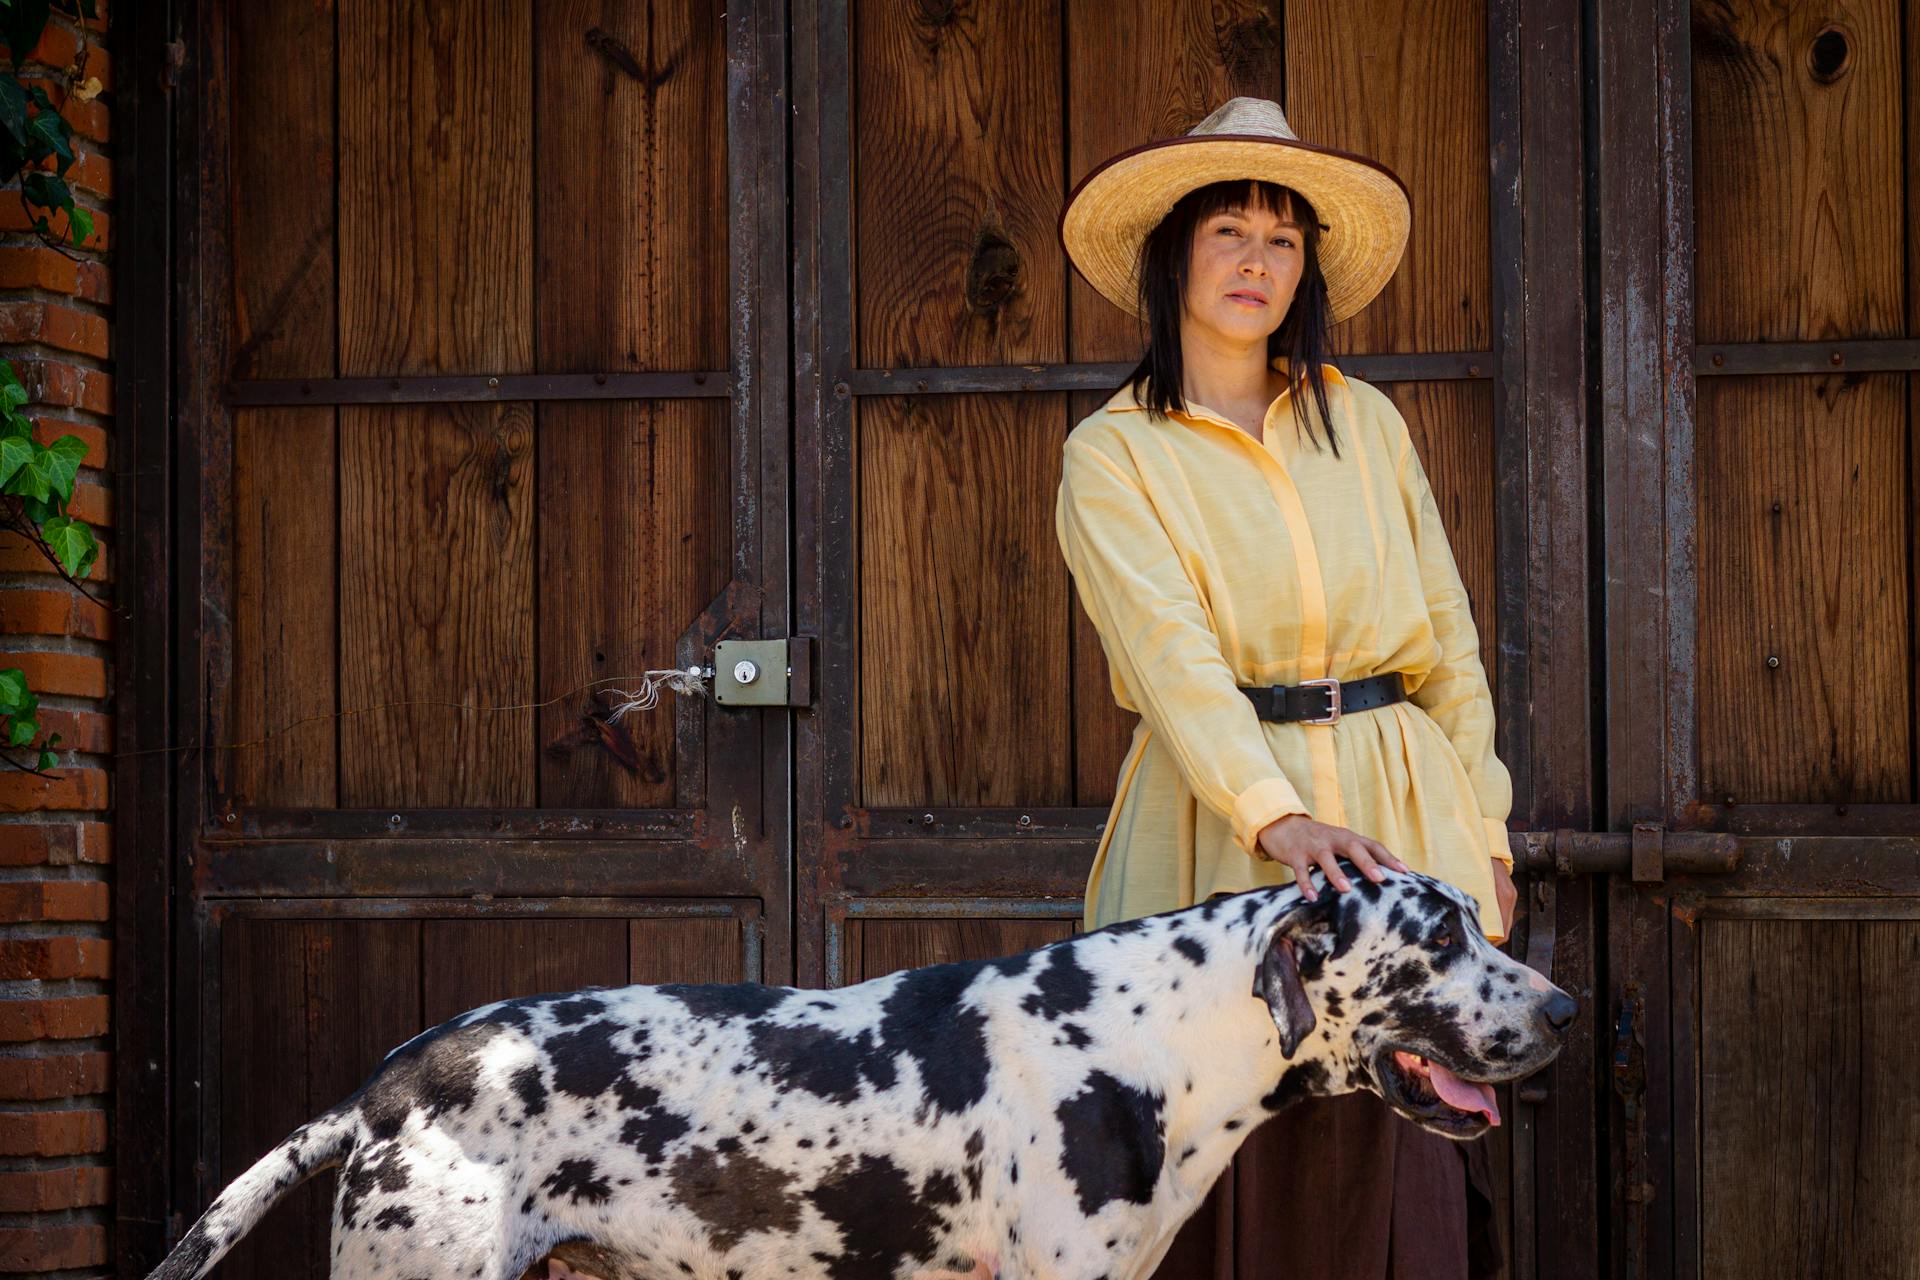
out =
column 763, row 673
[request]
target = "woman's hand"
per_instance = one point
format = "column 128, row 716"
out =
column 1508, row 895
column 1298, row 842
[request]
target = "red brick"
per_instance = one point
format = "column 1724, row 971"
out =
column 59, row 47
column 59, row 844
column 43, row 1249
column 57, row 1018
column 15, row 217
column 78, row 674
column 57, row 382
column 40, row 1190
column 78, row 730
column 52, row 325
column 62, row 1075
column 64, row 787
column 17, row 555
column 48, row 958
column 87, row 118
column 52, row 1133
column 33, row 901
column 90, row 171
column 36, row 266
column 47, row 430
column 59, row 612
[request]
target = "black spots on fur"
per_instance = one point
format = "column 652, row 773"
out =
column 395, row 1217
column 1367, row 889
column 1139, row 1010
column 1074, row 1035
column 1374, row 1019
column 1406, row 976
column 1486, row 989
column 1438, row 1025
column 1348, row 931
column 882, row 1221
column 1250, row 908
column 1499, row 1046
column 1113, row 1142
column 1332, row 1005
column 376, row 1168
column 579, row 1181
column 1063, row 987
column 528, row 1087
column 1121, row 928
column 1190, row 948
column 576, row 1009
column 722, row 1001
column 1404, row 924
column 1011, row 966
column 436, row 1072
column 940, row 1188
column 734, row 1194
column 1232, row 1126
column 651, row 1130
column 923, row 1018
column 585, row 1061
column 1302, row 1080
column 819, row 1061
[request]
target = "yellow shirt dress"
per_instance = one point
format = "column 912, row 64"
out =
column 1208, row 560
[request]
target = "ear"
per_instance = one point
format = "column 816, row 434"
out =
column 1277, row 981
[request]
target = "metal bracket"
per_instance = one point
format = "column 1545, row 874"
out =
column 763, row 673
column 1649, row 853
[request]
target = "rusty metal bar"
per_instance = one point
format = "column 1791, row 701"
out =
column 1870, row 355
column 1441, row 366
column 1601, row 853
column 471, row 824
column 921, row 823
column 451, row 388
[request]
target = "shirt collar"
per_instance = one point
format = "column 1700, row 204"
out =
column 1123, row 400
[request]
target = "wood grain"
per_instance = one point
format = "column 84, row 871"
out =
column 964, row 680
column 1798, row 219
column 631, row 251
column 1809, row 1136
column 1804, row 557
column 1412, row 96
column 885, row 946
column 284, row 473
column 957, row 150
column 466, row 963
column 691, row 949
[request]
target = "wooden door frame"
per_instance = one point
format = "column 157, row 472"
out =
column 174, row 422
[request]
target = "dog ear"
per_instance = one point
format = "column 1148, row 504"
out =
column 1277, row 981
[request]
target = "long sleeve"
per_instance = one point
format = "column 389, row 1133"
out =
column 1455, row 693
column 1161, row 646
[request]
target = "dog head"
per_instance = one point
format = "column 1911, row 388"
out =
column 1408, row 999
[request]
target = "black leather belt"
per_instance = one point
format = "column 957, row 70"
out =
column 1325, row 701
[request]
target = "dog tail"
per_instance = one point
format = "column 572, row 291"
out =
column 319, row 1144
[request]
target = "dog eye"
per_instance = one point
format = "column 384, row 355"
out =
column 1444, row 938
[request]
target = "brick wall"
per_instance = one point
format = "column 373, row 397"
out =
column 55, row 838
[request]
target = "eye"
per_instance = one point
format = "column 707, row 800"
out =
column 1444, row 938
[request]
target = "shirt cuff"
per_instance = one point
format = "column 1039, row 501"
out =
column 1263, row 803
column 1497, row 841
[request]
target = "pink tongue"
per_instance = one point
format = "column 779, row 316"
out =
column 1463, row 1095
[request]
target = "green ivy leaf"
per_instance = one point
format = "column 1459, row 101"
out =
column 49, row 132
column 13, row 689
column 53, row 740
column 46, row 190
column 13, row 110
column 15, row 453
column 12, row 394
column 72, row 542
column 80, row 223
column 35, row 479
column 22, row 732
column 63, row 461
column 46, row 761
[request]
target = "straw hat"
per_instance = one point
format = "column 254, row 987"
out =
column 1362, row 205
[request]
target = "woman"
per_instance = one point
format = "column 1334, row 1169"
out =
column 1240, row 516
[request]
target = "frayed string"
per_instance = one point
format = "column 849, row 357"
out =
column 647, row 695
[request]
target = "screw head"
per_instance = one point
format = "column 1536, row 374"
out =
column 1773, row 660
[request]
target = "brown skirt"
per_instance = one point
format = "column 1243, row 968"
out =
column 1344, row 1189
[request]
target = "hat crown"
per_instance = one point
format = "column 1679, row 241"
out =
column 1246, row 115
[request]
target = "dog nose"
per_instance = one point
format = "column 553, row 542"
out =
column 1559, row 1010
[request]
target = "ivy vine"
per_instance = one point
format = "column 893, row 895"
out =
column 37, row 480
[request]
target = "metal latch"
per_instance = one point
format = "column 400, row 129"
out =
column 763, row 673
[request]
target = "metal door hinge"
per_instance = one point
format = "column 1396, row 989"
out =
column 763, row 673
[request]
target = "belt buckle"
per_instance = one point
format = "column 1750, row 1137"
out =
column 1332, row 687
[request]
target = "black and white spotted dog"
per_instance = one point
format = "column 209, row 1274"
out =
column 1054, row 1114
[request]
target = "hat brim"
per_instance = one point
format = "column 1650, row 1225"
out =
column 1362, row 204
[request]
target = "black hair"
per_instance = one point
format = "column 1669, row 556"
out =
column 1164, row 259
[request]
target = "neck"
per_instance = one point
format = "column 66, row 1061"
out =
column 1226, row 376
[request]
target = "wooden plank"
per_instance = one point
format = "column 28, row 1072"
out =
column 889, row 945
column 1139, row 70
column 633, row 498
column 956, row 141
column 1797, row 172
column 1452, row 428
column 1413, row 96
column 436, row 276
column 964, row 679
column 284, row 479
column 266, row 1088
column 466, row 963
column 1809, row 1142
column 1804, row 558
column 693, row 949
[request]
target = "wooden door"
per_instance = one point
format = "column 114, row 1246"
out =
column 955, row 774
column 483, row 417
column 1762, row 374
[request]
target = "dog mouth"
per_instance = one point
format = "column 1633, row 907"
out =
column 1435, row 1095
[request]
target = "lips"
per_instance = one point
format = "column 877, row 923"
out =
column 1244, row 296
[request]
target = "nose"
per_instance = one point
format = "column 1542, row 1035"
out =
column 1559, row 1010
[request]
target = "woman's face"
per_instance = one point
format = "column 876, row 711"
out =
column 1244, row 267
